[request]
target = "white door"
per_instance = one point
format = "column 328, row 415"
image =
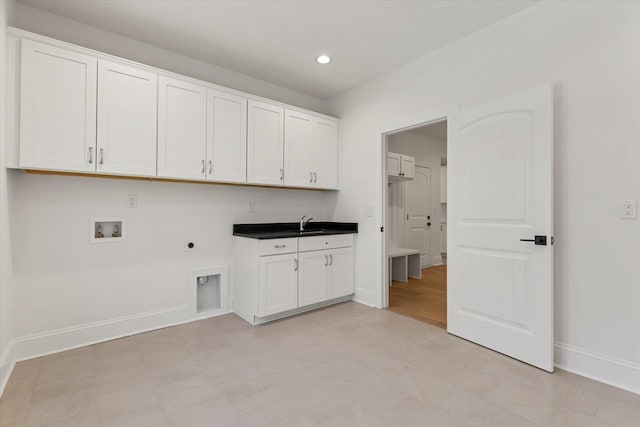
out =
column 340, row 273
column 278, row 284
column 312, row 278
column 325, row 153
column 57, row 109
column 298, row 149
column 127, row 119
column 265, row 144
column 182, row 129
column 226, row 137
column 417, row 205
column 500, row 288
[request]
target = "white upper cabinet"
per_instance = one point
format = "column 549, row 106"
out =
column 265, row 144
column 298, row 149
column 182, row 129
column 393, row 164
column 408, row 167
column 226, row 137
column 400, row 166
column 311, row 151
column 57, row 109
column 325, row 153
column 81, row 111
column 127, row 119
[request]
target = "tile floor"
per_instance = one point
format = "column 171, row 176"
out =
column 346, row 365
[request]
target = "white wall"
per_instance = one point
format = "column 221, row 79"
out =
column 590, row 50
column 427, row 150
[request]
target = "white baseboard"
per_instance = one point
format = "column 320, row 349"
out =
column 42, row 344
column 366, row 297
column 617, row 373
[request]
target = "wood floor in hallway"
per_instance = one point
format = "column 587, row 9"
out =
column 423, row 299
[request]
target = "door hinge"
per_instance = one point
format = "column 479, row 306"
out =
column 552, row 240
column 382, row 229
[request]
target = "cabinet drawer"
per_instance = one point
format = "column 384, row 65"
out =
column 314, row 243
column 278, row 246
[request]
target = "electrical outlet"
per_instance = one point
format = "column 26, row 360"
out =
column 132, row 201
column 252, row 205
column 629, row 209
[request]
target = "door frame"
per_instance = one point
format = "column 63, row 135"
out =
column 382, row 191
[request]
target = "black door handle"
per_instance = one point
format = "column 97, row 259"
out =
column 538, row 240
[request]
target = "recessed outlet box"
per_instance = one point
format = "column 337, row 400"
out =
column 629, row 209
column 103, row 230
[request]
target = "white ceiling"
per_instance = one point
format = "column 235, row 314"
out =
column 278, row 41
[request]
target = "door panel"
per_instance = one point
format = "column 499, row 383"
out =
column 325, row 153
column 182, row 129
column 278, row 287
column 57, row 109
column 298, row 149
column 500, row 289
column 127, row 119
column 226, row 137
column 312, row 284
column 341, row 274
column 417, row 202
column 265, row 144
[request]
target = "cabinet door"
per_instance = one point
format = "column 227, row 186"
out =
column 127, row 119
column 226, row 137
column 443, row 184
column 278, row 284
column 341, row 274
column 325, row 153
column 57, row 109
column 312, row 279
column 182, row 129
column 408, row 167
column 265, row 144
column 298, row 149
column 393, row 164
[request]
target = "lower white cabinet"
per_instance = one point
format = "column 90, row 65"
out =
column 312, row 279
column 278, row 277
column 278, row 284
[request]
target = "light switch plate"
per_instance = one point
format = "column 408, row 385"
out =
column 629, row 209
column 252, row 205
column 132, row 201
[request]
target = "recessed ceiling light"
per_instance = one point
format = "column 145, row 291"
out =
column 323, row 59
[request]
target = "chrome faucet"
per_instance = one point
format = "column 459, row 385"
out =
column 304, row 222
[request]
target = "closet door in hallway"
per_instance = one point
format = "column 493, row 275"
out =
column 417, row 203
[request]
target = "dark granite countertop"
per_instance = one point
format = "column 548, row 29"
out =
column 280, row 230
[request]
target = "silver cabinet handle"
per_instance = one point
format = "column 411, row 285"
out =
column 310, row 176
column 279, row 246
column 102, row 156
column 326, row 260
column 203, row 166
column 315, row 177
column 210, row 167
column 295, row 261
column 90, row 155
column 331, row 257
column 281, row 174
